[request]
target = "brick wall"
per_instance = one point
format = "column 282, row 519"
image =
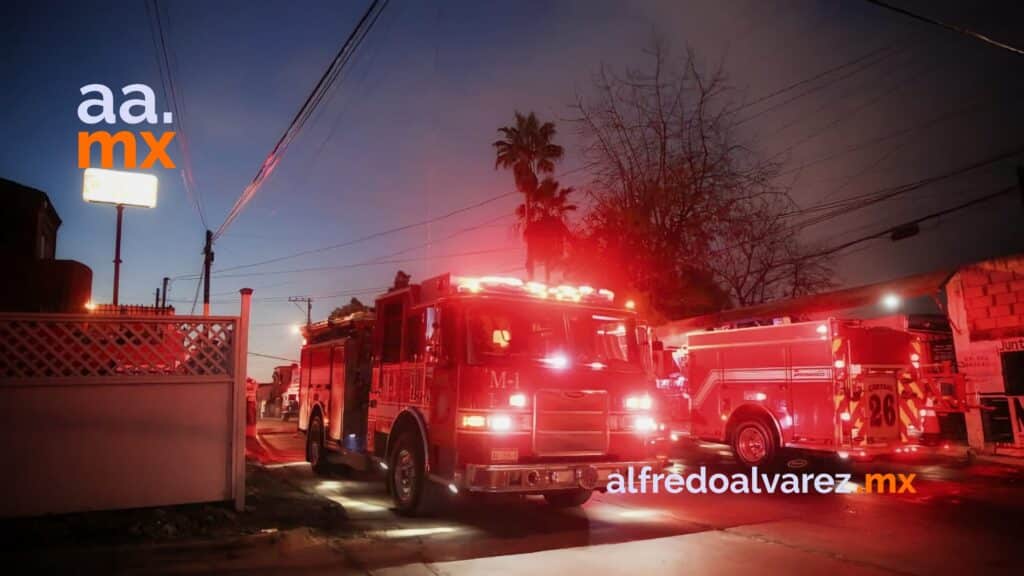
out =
column 994, row 299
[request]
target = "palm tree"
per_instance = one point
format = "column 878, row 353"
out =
column 547, row 234
column 527, row 149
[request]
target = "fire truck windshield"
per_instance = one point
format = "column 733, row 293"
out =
column 501, row 333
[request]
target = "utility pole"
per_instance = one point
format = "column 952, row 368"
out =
column 163, row 299
column 156, row 300
column 309, row 307
column 117, row 253
column 207, row 262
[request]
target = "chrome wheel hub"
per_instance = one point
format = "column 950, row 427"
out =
column 405, row 475
column 751, row 445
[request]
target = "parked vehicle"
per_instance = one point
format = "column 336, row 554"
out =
column 286, row 391
column 828, row 386
column 482, row 385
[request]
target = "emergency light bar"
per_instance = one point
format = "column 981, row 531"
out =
column 562, row 292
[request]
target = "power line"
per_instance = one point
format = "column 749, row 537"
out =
column 367, row 263
column 848, row 114
column 195, row 299
column 952, row 27
column 945, row 116
column 272, row 357
column 177, row 102
column 307, row 109
column 931, row 216
column 886, row 232
column 372, row 235
column 841, row 207
column 883, row 57
column 284, row 299
column 817, row 76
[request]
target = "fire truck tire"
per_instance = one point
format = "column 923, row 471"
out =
column 315, row 450
column 573, row 499
column 754, row 444
column 407, row 478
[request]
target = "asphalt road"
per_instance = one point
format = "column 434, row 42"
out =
column 961, row 520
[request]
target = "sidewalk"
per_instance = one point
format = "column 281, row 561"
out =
column 712, row 552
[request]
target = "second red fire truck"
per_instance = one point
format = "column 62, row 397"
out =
column 829, row 386
column 483, row 385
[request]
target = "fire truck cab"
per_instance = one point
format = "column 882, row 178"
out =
column 483, row 385
column 827, row 386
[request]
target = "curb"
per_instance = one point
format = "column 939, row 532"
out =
column 1011, row 461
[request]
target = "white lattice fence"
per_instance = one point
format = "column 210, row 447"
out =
column 103, row 412
column 63, row 346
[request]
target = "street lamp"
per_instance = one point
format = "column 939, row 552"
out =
column 120, row 189
column 891, row 301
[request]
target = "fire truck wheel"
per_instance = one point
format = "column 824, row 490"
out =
column 753, row 443
column 571, row 499
column 315, row 454
column 407, row 474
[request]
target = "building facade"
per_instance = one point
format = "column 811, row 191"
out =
column 986, row 311
column 36, row 280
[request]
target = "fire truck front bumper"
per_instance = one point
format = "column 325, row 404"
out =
column 546, row 477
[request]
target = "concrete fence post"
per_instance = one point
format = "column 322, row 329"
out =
column 241, row 372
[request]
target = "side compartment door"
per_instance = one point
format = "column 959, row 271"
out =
column 704, row 378
column 812, row 398
column 337, row 393
column 304, row 393
column 387, row 364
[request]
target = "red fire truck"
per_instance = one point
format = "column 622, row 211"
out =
column 824, row 386
column 483, row 385
column 933, row 405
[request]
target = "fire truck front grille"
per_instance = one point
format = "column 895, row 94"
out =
column 570, row 423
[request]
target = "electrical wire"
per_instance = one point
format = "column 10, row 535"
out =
column 175, row 96
column 373, row 235
column 888, row 53
column 818, row 76
column 322, row 87
column 952, row 27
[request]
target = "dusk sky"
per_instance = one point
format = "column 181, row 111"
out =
column 405, row 134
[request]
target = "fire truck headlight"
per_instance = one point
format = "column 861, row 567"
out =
column 500, row 423
column 474, row 421
column 557, row 361
column 638, row 402
column 517, row 400
column 644, row 424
